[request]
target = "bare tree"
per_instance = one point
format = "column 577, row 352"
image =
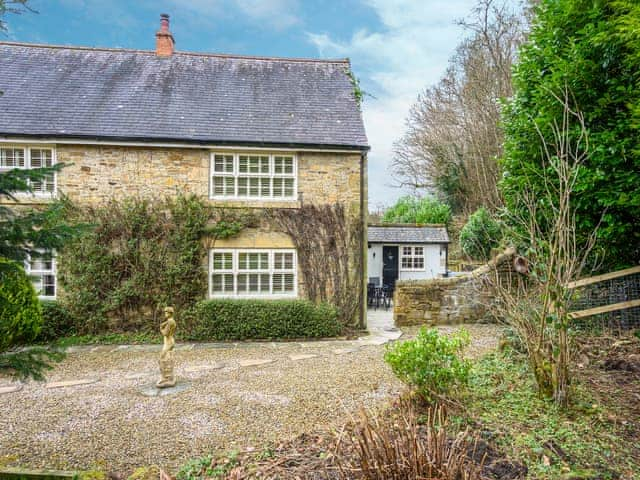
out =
column 12, row 6
column 452, row 134
column 537, row 305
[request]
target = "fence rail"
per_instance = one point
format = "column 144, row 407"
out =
column 614, row 296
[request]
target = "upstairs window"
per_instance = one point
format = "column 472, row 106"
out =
column 252, row 273
column 412, row 258
column 247, row 176
column 31, row 157
column 42, row 271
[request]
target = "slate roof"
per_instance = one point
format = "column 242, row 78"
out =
column 53, row 91
column 407, row 234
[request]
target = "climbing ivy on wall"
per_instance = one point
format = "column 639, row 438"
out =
column 140, row 255
column 329, row 249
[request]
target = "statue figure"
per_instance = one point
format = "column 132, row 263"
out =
column 168, row 329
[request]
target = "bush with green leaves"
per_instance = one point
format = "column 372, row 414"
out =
column 241, row 319
column 57, row 322
column 431, row 364
column 410, row 209
column 480, row 235
column 591, row 50
column 20, row 309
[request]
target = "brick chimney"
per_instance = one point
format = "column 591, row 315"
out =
column 164, row 39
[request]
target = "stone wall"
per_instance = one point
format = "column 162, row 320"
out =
column 98, row 173
column 95, row 174
column 453, row 300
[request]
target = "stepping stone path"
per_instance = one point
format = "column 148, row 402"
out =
column 342, row 351
column 253, row 363
column 71, row 383
column 203, row 368
column 10, row 388
column 295, row 358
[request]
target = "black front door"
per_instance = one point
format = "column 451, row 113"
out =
column 389, row 265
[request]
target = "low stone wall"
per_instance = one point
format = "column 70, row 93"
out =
column 442, row 301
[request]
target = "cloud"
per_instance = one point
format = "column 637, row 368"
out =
column 280, row 14
column 395, row 62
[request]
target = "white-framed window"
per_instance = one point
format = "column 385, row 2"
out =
column 412, row 258
column 252, row 273
column 42, row 271
column 26, row 157
column 253, row 176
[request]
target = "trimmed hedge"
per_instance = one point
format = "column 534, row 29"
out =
column 228, row 319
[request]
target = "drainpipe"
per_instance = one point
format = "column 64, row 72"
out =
column 364, row 215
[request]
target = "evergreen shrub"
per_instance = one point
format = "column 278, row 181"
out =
column 241, row 319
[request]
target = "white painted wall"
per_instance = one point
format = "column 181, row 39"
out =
column 374, row 261
column 434, row 262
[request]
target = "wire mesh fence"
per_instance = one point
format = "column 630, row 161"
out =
column 610, row 291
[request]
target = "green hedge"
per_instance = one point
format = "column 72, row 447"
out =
column 57, row 322
column 258, row 319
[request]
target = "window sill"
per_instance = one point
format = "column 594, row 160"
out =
column 255, row 203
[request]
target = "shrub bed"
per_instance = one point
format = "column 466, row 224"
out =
column 57, row 322
column 227, row 319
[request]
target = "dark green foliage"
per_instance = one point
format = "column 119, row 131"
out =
column 57, row 322
column 431, row 363
column 591, row 48
column 480, row 235
column 228, row 319
column 25, row 233
column 410, row 209
column 140, row 256
column 30, row 363
column 20, row 323
column 20, row 310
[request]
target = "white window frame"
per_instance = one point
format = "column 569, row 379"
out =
column 235, row 174
column 271, row 270
column 27, row 166
column 412, row 256
column 40, row 273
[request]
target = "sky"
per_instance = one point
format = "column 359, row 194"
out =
column 397, row 48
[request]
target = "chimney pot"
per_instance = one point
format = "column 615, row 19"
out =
column 164, row 40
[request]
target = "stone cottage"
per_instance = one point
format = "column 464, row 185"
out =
column 239, row 131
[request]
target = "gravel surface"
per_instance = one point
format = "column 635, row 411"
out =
column 112, row 426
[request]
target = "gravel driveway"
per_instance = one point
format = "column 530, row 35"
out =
column 229, row 404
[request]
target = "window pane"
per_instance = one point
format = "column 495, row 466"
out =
column 222, row 283
column 283, row 261
column 265, row 187
column 48, row 285
column 223, row 164
column 12, row 158
column 278, row 187
column 254, row 186
column 417, row 250
column 253, row 282
column 283, row 165
column 418, row 262
column 288, row 187
column 264, row 283
column 223, row 186
column 242, row 187
column 288, row 282
column 222, row 261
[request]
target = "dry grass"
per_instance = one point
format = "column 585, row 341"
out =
column 400, row 448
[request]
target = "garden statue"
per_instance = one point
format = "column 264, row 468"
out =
column 168, row 329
